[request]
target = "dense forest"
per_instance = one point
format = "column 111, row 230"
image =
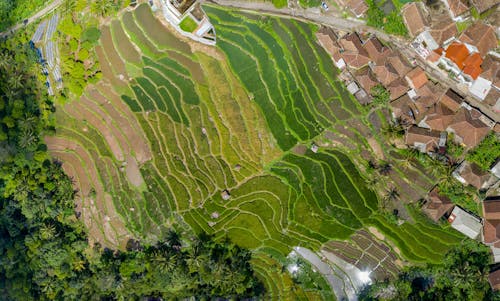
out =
column 44, row 252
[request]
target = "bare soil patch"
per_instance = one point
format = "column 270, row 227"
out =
column 133, row 172
column 377, row 149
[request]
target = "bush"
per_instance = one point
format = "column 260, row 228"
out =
column 486, row 153
column 91, row 35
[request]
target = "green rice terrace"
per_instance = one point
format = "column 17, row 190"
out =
column 219, row 140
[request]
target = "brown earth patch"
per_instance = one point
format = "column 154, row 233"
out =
column 377, row 149
column 133, row 172
column 112, row 55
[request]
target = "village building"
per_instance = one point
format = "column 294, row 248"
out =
column 416, row 78
column 468, row 128
column 437, row 205
column 471, row 174
column 465, row 222
column 438, row 118
column 458, row 9
column 427, row 95
column 452, row 100
column 495, row 169
column 352, row 51
column 494, row 278
column 366, row 79
column 397, row 88
column 491, row 214
column 465, row 65
column 328, row 39
column 404, row 110
column 357, row 7
column 479, row 37
column 376, row 50
column 415, row 18
column 422, row 139
column 484, row 5
column 444, row 31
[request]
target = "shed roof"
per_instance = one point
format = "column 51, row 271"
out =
column 465, row 222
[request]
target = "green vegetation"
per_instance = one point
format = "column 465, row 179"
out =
column 391, row 23
column 280, row 3
column 380, row 95
column 309, row 3
column 463, row 276
column 12, row 12
column 459, row 195
column 188, row 24
column 169, row 133
column 486, row 153
column 44, row 252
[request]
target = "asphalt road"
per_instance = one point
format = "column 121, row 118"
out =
column 33, row 18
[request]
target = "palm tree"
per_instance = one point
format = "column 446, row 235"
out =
column 391, row 195
column 47, row 231
column 384, row 168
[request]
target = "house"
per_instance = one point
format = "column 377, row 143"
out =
column 399, row 64
column 491, row 70
column 437, row 205
column 352, row 51
column 471, row 174
column 457, row 9
column 415, row 17
column 385, row 73
column 494, row 279
column 357, row 7
column 452, row 100
column 480, row 88
column 438, row 118
column 443, row 31
column 464, row 64
column 427, row 96
column 479, row 37
column 416, row 78
column 328, row 40
column 425, row 140
column 468, row 128
column 404, row 110
column 352, row 88
column 491, row 214
column 376, row 50
column 365, row 79
column 397, row 88
column 465, row 222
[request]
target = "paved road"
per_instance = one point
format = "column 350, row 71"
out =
column 33, row 18
column 335, row 20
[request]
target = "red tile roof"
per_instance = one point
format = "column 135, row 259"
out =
column 439, row 117
column 443, row 30
column 437, row 205
column 474, row 175
column 353, row 52
column 418, row 135
column 457, row 53
column 472, row 65
column 452, row 100
column 375, row 49
column 494, row 279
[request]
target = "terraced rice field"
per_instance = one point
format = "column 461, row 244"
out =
column 170, row 128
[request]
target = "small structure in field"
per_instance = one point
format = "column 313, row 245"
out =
column 225, row 195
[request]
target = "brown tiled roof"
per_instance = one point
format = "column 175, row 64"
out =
column 404, row 109
column 399, row 64
column 365, row 79
column 414, row 18
column 357, row 7
column 491, row 214
column 452, row 100
column 491, row 70
column 439, row 117
column 457, row 7
column 397, row 88
column 443, row 30
column 375, row 49
column 483, row 5
column 496, row 128
column 494, row 279
column 457, row 53
column 491, row 208
column 480, row 35
column 437, row 205
column 471, row 130
column 353, row 52
column 416, row 78
column 433, row 57
column 328, row 39
column 429, row 94
column 385, row 73
column 428, row 137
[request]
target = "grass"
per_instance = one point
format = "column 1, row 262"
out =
column 188, row 24
column 211, row 125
